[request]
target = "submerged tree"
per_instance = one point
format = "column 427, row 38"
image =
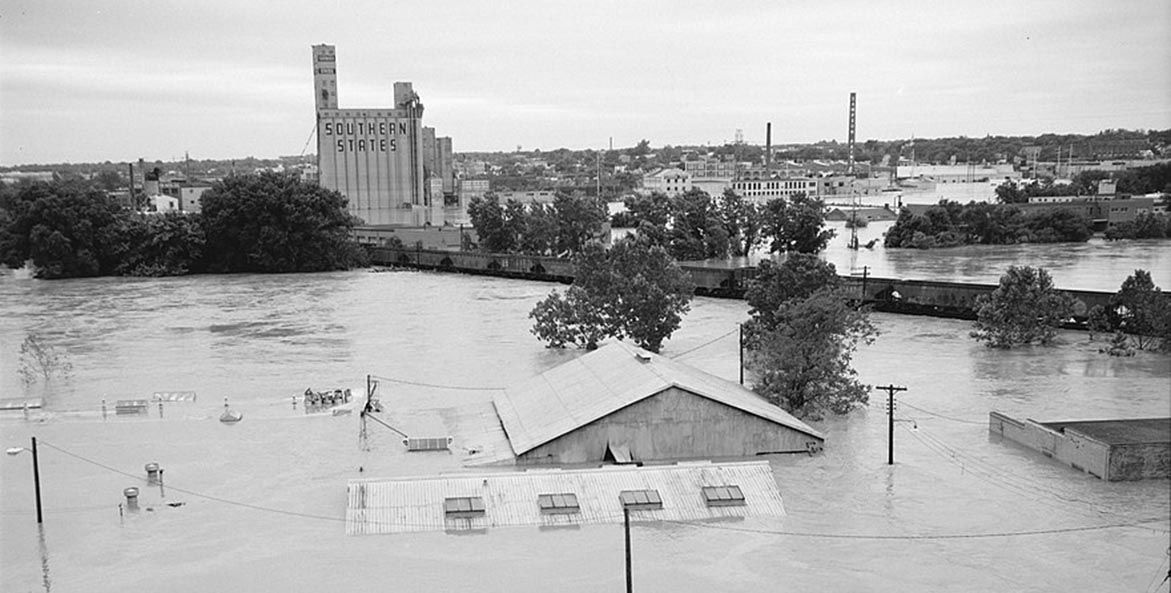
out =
column 1139, row 310
column 796, row 224
column 41, row 363
column 633, row 290
column 1025, row 308
column 274, row 222
column 802, row 362
column 798, row 277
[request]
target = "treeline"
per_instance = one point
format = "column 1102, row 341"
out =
column 690, row 226
column 950, row 224
column 249, row 223
column 1146, row 225
column 1141, row 180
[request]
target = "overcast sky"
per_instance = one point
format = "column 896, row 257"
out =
column 116, row 80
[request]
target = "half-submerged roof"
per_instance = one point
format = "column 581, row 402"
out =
column 606, row 380
column 511, row 499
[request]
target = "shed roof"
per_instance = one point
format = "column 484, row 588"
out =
column 402, row 505
column 606, row 380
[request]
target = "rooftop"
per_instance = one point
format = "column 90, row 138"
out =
column 471, row 502
column 601, row 382
column 1119, row 432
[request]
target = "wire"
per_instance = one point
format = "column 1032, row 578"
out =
column 943, row 536
column 929, row 412
column 307, row 140
column 856, row 536
column 996, row 476
column 193, row 493
column 436, row 385
column 705, row 344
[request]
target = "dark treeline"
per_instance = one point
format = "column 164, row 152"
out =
column 249, row 223
column 1141, row 180
column 951, row 224
column 690, row 226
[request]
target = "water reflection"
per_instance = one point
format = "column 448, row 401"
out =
column 44, row 549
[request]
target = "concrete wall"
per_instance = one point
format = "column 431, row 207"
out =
column 674, row 424
column 1140, row 461
column 1072, row 448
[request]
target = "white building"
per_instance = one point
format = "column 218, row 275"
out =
column 671, row 182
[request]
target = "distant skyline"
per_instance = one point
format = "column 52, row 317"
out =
column 118, row 80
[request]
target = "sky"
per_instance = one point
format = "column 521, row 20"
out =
column 84, row 81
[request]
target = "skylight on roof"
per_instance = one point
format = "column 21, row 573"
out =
column 558, row 503
column 723, row 496
column 641, row 500
column 463, row 506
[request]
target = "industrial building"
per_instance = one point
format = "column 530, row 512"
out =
column 624, row 404
column 392, row 170
column 1112, row 450
column 555, row 498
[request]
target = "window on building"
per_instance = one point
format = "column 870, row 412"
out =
column 641, row 500
column 558, row 503
column 723, row 496
column 463, row 506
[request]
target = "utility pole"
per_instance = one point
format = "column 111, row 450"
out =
column 626, row 522
column 741, row 353
column 890, row 410
column 37, row 480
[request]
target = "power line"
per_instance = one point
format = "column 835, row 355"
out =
column 945, row 417
column 944, row 536
column 856, row 536
column 996, row 476
column 437, row 385
column 193, row 493
column 705, row 344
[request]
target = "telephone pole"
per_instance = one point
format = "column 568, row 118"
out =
column 890, row 411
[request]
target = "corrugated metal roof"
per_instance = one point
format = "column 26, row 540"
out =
column 608, row 379
column 403, row 505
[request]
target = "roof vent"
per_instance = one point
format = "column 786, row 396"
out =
column 642, row 356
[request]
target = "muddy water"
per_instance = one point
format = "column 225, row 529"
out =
column 262, row 500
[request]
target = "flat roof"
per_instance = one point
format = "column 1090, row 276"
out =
column 1119, row 432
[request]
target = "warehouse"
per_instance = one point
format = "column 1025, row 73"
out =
column 624, row 404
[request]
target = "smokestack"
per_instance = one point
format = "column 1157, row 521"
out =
column 768, row 150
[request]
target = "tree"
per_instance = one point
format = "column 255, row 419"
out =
column 1009, row 193
column 274, row 222
column 1139, row 310
column 487, row 216
column 1024, row 308
column 697, row 228
column 540, row 230
column 167, row 244
column 742, row 220
column 796, row 224
column 579, row 220
column 67, row 228
column 802, row 362
column 41, row 363
column 634, row 290
column 798, row 277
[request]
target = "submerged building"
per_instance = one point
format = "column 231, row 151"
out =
column 624, row 404
column 1127, row 449
column 381, row 159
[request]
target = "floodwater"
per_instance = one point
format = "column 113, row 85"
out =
column 263, row 500
column 1097, row 264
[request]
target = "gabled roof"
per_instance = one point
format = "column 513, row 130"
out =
column 606, row 380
